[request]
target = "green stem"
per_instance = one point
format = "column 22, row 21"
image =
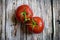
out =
column 25, row 18
column 34, row 23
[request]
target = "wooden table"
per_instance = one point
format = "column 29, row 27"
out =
column 49, row 10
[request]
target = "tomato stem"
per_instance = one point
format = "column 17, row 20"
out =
column 34, row 23
column 25, row 18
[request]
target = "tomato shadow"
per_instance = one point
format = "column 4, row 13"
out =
column 23, row 28
column 13, row 19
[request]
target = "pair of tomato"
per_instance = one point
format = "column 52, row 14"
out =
column 24, row 14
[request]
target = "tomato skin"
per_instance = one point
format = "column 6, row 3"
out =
column 22, row 8
column 38, row 28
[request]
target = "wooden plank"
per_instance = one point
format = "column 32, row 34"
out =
column 56, row 12
column 59, row 19
column 10, row 11
column 3, row 20
column 47, row 17
column 0, row 19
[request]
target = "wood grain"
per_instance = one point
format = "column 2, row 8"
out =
column 56, row 11
column 41, row 8
column 0, row 19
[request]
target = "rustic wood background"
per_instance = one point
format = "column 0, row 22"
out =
column 49, row 10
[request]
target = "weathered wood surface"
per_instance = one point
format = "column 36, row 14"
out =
column 0, row 18
column 41, row 8
column 56, row 11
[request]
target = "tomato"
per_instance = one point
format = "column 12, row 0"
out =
column 24, row 13
column 35, row 25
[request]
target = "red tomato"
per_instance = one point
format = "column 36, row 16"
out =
column 23, row 13
column 35, row 25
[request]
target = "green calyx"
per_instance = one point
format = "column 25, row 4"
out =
column 23, row 13
column 25, row 18
column 34, row 23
